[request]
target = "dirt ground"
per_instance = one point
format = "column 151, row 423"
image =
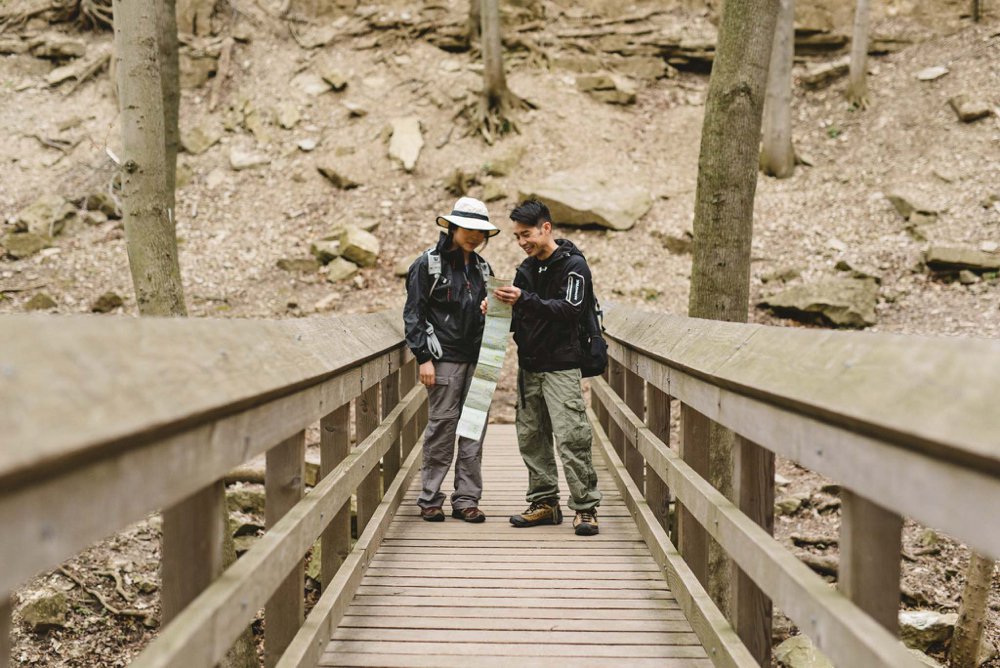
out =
column 234, row 226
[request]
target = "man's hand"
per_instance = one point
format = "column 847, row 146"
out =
column 482, row 306
column 427, row 373
column 508, row 294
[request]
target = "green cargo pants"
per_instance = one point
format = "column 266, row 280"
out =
column 551, row 403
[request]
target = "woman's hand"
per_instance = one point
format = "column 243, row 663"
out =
column 427, row 373
column 482, row 307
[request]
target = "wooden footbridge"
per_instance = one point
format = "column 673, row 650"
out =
column 105, row 420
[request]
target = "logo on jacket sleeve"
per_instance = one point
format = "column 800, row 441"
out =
column 574, row 288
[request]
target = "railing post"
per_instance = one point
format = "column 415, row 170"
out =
column 658, row 421
column 6, row 610
column 870, row 548
column 616, row 379
column 692, row 539
column 635, row 399
column 284, row 480
column 334, row 445
column 391, row 460
column 407, row 381
column 753, row 476
column 191, row 548
column 599, row 410
column 366, row 418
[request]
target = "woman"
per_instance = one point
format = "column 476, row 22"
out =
column 444, row 328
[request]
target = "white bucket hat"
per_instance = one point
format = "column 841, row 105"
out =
column 471, row 214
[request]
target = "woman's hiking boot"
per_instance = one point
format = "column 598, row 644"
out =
column 585, row 523
column 545, row 511
column 473, row 515
column 432, row 514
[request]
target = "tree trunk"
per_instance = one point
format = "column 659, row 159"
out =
column 857, row 81
column 494, row 79
column 777, row 158
column 171, row 85
column 723, row 217
column 968, row 637
column 475, row 20
column 146, row 203
column 975, row 11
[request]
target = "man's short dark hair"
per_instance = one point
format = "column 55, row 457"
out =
column 531, row 212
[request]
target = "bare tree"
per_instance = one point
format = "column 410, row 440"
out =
column 146, row 204
column 170, row 83
column 857, row 81
column 975, row 11
column 723, row 216
column 964, row 652
column 492, row 113
column 777, row 156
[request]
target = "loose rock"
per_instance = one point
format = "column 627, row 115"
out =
column 493, row 191
column 909, row 200
column 305, row 265
column 799, row 652
column 359, row 246
column 241, row 158
column 200, row 137
column 932, row 73
column 406, row 141
column 56, row 46
column 103, row 201
column 25, row 244
column 46, row 612
column 969, row 109
column 610, row 88
column 950, row 259
column 48, row 216
column 40, row 302
column 107, row 303
column 288, row 114
column 325, row 250
column 340, row 270
column 245, row 499
column 920, row 629
column 506, row 163
column 584, row 198
column 402, row 266
column 824, row 74
column 840, row 302
column 338, row 174
column 781, row 275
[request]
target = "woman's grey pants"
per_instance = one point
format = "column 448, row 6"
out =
column 451, row 385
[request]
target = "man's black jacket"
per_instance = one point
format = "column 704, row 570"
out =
column 547, row 316
column 453, row 308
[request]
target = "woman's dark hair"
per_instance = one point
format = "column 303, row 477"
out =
column 531, row 212
column 451, row 237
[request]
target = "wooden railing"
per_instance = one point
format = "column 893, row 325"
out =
column 105, row 420
column 909, row 427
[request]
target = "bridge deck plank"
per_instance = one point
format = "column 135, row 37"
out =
column 460, row 594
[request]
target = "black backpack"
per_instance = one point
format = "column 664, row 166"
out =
column 593, row 347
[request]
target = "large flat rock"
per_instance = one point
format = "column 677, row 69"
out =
column 840, row 302
column 583, row 198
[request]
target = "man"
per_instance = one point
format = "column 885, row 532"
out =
column 549, row 297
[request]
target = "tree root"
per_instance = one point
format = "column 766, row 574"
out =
column 495, row 120
column 146, row 617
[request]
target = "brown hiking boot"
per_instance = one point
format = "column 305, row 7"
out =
column 473, row 515
column 585, row 523
column 545, row 511
column 432, row 514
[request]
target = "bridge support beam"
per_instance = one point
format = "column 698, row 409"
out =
column 6, row 609
column 635, row 399
column 284, row 480
column 870, row 548
column 334, row 445
column 191, row 548
column 692, row 540
column 657, row 492
column 753, row 476
column 366, row 419
column 391, row 460
column 616, row 379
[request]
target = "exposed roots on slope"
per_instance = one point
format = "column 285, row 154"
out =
column 493, row 116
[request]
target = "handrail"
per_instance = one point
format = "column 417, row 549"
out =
column 871, row 411
column 157, row 411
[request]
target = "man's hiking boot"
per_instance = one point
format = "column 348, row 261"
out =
column 585, row 523
column 545, row 511
column 472, row 515
column 432, row 514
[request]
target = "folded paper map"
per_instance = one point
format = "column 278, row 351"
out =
column 491, row 354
